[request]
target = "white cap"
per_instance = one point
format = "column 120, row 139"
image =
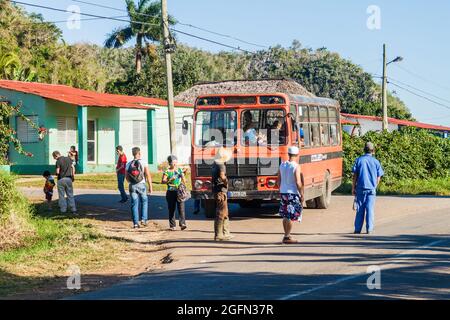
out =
column 293, row 150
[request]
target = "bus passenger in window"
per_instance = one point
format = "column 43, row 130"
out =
column 302, row 136
column 250, row 135
column 213, row 142
column 274, row 133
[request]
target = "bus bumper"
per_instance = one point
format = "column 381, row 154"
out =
column 249, row 195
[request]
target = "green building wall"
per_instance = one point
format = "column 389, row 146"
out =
column 108, row 133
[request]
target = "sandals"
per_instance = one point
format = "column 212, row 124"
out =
column 289, row 240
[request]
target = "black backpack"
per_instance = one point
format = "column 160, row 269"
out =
column 135, row 172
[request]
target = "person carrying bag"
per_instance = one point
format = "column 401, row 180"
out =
column 176, row 194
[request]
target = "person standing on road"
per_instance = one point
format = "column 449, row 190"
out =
column 120, row 170
column 367, row 172
column 137, row 175
column 220, row 189
column 291, row 193
column 174, row 177
column 65, row 171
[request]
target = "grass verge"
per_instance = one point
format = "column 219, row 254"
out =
column 99, row 242
column 107, row 181
column 56, row 243
column 433, row 187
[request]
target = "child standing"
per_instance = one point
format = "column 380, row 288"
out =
column 48, row 188
column 73, row 155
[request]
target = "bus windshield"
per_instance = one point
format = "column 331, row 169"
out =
column 215, row 128
column 263, row 127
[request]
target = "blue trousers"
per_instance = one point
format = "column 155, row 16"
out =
column 139, row 200
column 365, row 201
column 197, row 204
column 120, row 186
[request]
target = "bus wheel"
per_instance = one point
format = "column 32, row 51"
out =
column 210, row 208
column 311, row 204
column 323, row 202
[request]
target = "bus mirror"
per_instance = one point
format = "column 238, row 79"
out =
column 185, row 126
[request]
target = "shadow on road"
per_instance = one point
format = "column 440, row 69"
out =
column 423, row 275
column 158, row 207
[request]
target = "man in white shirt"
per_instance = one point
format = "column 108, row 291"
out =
column 138, row 175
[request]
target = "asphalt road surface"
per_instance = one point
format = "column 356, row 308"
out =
column 410, row 248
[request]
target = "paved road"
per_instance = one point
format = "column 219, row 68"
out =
column 411, row 246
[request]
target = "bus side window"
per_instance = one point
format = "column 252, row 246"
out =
column 315, row 134
column 333, row 120
column 333, row 135
column 325, row 134
column 305, row 135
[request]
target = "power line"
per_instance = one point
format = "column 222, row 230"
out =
column 427, row 93
column 131, row 21
column 421, row 77
column 179, row 22
column 86, row 19
column 421, row 96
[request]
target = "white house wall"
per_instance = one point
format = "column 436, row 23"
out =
column 126, row 130
column 162, row 134
column 367, row 125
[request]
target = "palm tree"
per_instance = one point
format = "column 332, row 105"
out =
column 9, row 63
column 145, row 25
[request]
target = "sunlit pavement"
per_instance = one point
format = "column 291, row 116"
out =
column 410, row 247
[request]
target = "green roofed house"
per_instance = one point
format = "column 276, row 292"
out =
column 93, row 122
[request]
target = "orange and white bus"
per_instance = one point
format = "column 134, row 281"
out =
column 258, row 129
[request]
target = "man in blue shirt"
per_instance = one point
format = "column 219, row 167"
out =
column 367, row 172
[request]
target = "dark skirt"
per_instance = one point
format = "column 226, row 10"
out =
column 291, row 207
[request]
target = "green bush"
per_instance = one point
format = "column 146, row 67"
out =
column 406, row 154
column 15, row 214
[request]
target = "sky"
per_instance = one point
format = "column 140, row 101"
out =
column 417, row 30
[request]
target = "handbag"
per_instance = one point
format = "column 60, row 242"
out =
column 182, row 193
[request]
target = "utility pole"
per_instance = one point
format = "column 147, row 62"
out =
column 168, row 49
column 384, row 91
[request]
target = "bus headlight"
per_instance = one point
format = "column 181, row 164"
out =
column 271, row 183
column 202, row 184
column 198, row 184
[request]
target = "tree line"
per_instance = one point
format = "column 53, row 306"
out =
column 32, row 49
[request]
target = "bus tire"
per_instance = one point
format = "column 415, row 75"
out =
column 323, row 202
column 210, row 208
column 311, row 204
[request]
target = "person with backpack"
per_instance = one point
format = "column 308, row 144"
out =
column 120, row 171
column 138, row 175
column 173, row 176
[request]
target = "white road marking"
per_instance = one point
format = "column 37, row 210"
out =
column 354, row 276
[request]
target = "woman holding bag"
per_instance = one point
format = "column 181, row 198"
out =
column 174, row 178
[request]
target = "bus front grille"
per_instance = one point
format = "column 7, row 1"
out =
column 244, row 167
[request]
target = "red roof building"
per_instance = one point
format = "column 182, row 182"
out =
column 373, row 123
column 82, row 97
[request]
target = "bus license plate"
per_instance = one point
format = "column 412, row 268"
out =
column 237, row 194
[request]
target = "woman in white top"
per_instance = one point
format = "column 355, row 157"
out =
column 291, row 192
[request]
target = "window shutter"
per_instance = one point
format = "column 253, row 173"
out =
column 22, row 134
column 71, row 130
column 25, row 132
column 139, row 133
column 136, row 133
column 61, row 127
column 67, row 130
column 143, row 133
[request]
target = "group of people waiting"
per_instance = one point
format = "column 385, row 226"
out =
column 367, row 172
